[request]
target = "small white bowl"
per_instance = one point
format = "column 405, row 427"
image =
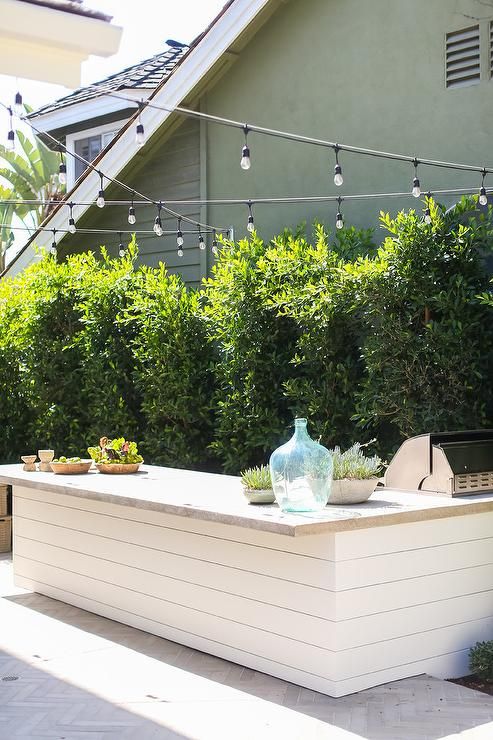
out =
column 259, row 497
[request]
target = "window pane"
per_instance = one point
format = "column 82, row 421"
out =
column 107, row 137
column 88, row 149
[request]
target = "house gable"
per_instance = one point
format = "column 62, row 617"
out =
column 201, row 65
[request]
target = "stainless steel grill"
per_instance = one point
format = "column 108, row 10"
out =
column 446, row 463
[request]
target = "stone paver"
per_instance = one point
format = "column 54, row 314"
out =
column 77, row 676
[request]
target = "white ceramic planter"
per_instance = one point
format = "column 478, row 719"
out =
column 351, row 490
column 259, row 497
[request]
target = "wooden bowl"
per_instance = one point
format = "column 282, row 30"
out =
column 118, row 468
column 78, row 468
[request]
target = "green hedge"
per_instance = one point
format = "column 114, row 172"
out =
column 366, row 341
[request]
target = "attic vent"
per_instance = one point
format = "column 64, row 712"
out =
column 462, row 57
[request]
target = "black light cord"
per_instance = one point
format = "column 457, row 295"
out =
column 288, row 136
column 112, row 231
column 252, row 201
column 115, row 181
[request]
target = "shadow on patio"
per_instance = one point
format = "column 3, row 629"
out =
column 170, row 689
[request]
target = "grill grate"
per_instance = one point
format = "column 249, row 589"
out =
column 462, row 57
column 470, row 482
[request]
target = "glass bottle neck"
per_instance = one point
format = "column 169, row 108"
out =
column 300, row 430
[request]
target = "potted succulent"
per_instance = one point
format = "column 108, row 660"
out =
column 257, row 485
column 355, row 475
column 116, row 456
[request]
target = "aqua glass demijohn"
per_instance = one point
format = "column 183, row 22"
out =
column 301, row 472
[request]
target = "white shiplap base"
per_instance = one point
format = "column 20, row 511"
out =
column 335, row 612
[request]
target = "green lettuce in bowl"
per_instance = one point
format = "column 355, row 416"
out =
column 115, row 451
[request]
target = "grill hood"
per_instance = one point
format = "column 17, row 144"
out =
column 447, row 463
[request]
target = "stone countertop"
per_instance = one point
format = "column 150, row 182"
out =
column 219, row 498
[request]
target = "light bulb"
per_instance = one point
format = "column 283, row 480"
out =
column 427, row 216
column 10, row 141
column 179, row 239
column 62, row 174
column 53, row 249
column 71, row 225
column 245, row 162
column 139, row 135
column 214, row 249
column 158, row 227
column 416, row 191
column 483, row 198
column 180, row 252
column 201, row 242
column 100, row 199
column 131, row 215
column 121, row 250
column 338, row 178
column 250, row 224
column 339, row 221
column 18, row 106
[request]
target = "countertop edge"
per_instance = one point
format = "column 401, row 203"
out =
column 298, row 529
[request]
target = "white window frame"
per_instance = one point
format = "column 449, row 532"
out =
column 106, row 128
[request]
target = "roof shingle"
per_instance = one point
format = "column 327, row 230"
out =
column 144, row 75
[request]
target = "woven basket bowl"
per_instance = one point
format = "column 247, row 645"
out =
column 3, row 500
column 5, row 534
column 71, row 468
column 118, row 468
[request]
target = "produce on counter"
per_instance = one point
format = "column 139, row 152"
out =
column 112, row 451
column 63, row 459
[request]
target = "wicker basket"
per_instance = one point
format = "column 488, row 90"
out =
column 6, row 534
column 3, row 500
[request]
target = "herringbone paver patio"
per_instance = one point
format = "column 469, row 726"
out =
column 66, row 674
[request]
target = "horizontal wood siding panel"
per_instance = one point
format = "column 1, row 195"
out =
column 170, row 171
column 326, row 624
column 378, row 570
column 318, row 547
column 280, row 649
column 412, row 536
column 245, row 557
column 398, row 566
column 218, row 628
column 197, row 641
column 444, row 666
column 387, row 597
column 252, row 586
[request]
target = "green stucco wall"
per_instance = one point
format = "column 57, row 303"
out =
column 366, row 73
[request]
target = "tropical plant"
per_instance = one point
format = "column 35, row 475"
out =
column 27, row 175
column 353, row 463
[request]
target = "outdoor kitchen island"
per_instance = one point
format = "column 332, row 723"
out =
column 337, row 601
